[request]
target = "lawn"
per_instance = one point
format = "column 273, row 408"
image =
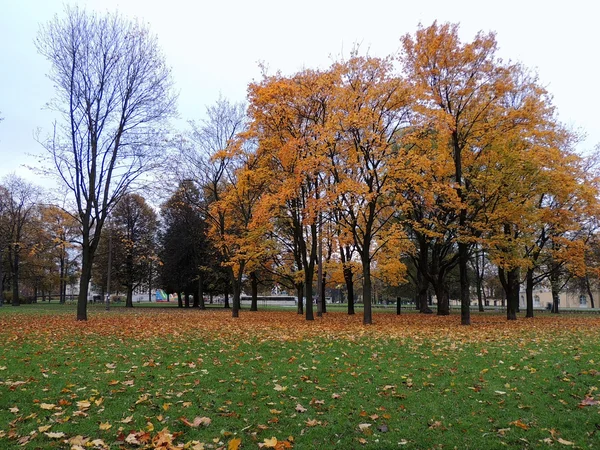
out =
column 172, row 378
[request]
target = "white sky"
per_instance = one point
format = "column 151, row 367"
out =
column 215, row 47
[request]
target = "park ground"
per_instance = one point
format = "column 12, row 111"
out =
column 172, row 378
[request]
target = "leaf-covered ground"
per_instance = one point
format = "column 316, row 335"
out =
column 150, row 378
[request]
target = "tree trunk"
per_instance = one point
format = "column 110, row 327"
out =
column 309, row 295
column 421, row 294
column 179, row 300
column 589, row 290
column 345, row 255
column 254, row 289
column 443, row 299
column 510, row 282
column 554, row 283
column 84, row 280
column 15, row 278
column 529, row 293
column 226, row 297
column 300, row 296
column 186, row 295
column 349, row 278
column 237, row 292
column 323, row 286
column 129, row 297
column 367, row 295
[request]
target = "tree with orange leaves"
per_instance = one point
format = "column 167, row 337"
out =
column 480, row 107
column 289, row 117
column 371, row 161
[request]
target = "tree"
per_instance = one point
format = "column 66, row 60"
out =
column 20, row 207
column 62, row 231
column 114, row 92
column 135, row 226
column 185, row 253
column 211, row 164
column 369, row 162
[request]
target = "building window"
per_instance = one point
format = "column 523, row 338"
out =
column 582, row 300
column 536, row 300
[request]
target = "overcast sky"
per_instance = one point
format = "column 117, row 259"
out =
column 215, row 47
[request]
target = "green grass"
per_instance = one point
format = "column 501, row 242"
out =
column 426, row 384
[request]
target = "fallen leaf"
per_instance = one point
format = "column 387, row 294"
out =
column 53, row 435
column 564, row 442
column 105, row 426
column 48, row 406
column 44, row 428
column 270, row 443
column 234, row 444
column 127, row 419
column 589, row 401
column 300, row 408
column 364, row 426
column 518, row 423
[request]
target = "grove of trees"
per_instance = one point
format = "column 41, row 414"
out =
column 442, row 172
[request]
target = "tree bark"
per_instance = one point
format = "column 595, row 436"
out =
column 443, row 299
column 226, row 297
column 84, row 281
column 129, row 297
column 589, row 290
column 254, row 288
column 510, row 282
column 300, row 296
column 367, row 294
column 554, row 284
column 348, row 277
column 529, row 293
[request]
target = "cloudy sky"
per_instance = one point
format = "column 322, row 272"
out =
column 216, row 47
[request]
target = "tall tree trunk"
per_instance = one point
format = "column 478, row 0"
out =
column 226, row 297
column 300, row 296
column 588, row 287
column 187, row 299
column 510, row 282
column 15, row 278
column 129, row 296
column 555, row 286
column 236, row 281
column 254, row 289
column 367, row 288
column 345, row 255
column 443, row 299
column 349, row 279
column 323, row 286
column 529, row 292
column 179, row 300
column 62, row 278
column 84, row 280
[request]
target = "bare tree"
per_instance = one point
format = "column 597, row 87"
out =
column 114, row 92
